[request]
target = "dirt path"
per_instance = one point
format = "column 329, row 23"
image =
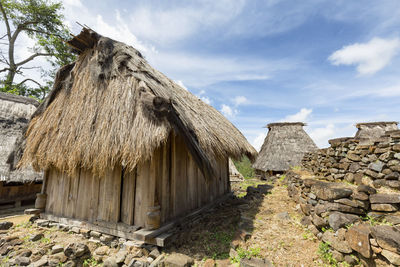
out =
column 16, row 219
column 279, row 234
column 269, row 218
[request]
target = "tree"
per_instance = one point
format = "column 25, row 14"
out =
column 42, row 21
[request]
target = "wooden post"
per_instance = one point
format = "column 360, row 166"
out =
column 44, row 185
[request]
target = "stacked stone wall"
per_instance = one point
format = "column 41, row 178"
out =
column 358, row 223
column 375, row 163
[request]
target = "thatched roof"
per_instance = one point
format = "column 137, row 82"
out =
column 370, row 131
column 284, row 147
column 111, row 107
column 15, row 112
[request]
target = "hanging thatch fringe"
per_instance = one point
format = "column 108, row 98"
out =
column 111, row 107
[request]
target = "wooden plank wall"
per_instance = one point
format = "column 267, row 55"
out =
column 188, row 187
column 84, row 196
column 171, row 179
column 25, row 191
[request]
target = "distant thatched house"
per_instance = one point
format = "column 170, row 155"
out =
column 370, row 131
column 19, row 186
column 284, row 147
column 125, row 147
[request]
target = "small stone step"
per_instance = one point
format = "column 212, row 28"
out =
column 32, row 211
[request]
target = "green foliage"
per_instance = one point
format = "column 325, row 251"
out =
column 308, row 235
column 325, row 253
column 45, row 240
column 376, row 221
column 243, row 253
column 217, row 242
column 244, row 167
column 90, row 262
column 42, row 21
column 324, row 229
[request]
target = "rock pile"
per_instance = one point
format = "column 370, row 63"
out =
column 353, row 220
column 83, row 248
column 376, row 163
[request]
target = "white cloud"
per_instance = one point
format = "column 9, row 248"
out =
column 300, row 116
column 331, row 128
column 323, row 134
column 76, row 3
column 168, row 23
column 227, row 111
column 180, row 83
column 369, row 57
column 259, row 140
column 239, row 100
column 206, row 100
column 203, row 70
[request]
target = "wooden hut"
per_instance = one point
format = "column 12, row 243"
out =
column 370, row 131
column 123, row 147
column 284, row 147
column 17, row 187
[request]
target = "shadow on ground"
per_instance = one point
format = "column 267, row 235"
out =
column 228, row 225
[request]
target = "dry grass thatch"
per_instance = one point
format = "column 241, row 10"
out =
column 111, row 107
column 15, row 112
column 284, row 147
column 370, row 131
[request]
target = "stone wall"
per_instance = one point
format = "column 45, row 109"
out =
column 356, row 222
column 375, row 163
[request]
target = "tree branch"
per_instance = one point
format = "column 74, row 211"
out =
column 31, row 58
column 6, row 21
column 28, row 79
column 5, row 69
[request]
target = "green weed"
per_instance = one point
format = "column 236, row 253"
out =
column 242, row 253
column 90, row 262
column 325, row 253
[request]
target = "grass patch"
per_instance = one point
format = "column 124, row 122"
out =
column 218, row 241
column 243, row 253
column 376, row 221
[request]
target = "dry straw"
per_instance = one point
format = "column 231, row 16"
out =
column 111, row 107
column 15, row 112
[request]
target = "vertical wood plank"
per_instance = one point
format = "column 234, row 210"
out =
column 181, row 203
column 173, row 177
column 67, row 186
column 221, row 178
column 109, row 195
column 49, row 190
column 128, row 197
column 94, row 196
column 166, row 182
column 192, row 183
column 141, row 195
column 72, row 196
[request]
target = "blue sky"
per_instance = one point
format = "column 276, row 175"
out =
column 328, row 63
